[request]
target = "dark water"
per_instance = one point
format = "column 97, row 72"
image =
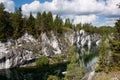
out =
column 33, row 73
column 42, row 73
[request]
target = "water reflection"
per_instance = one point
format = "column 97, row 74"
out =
column 88, row 57
column 32, row 73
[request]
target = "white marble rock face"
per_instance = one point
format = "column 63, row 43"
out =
column 23, row 51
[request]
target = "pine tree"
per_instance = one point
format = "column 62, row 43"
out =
column 103, row 57
column 115, row 62
column 117, row 34
column 74, row 70
column 68, row 23
column 24, row 28
column 2, row 22
column 58, row 24
column 31, row 25
column 44, row 21
column 5, row 27
column 17, row 23
column 38, row 26
column 49, row 21
column 78, row 26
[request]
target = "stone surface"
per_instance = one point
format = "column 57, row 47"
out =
column 25, row 50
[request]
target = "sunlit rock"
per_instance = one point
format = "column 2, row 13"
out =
column 25, row 50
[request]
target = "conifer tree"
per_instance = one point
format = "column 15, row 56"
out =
column 117, row 33
column 44, row 21
column 58, row 24
column 74, row 70
column 115, row 62
column 17, row 23
column 38, row 26
column 49, row 21
column 31, row 25
column 78, row 26
column 103, row 57
column 24, row 28
column 5, row 27
column 68, row 23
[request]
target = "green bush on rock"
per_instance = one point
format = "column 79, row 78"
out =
column 43, row 61
column 51, row 77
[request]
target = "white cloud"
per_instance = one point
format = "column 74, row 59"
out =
column 110, row 21
column 34, row 6
column 85, row 19
column 9, row 5
column 65, row 6
column 81, row 10
column 111, row 9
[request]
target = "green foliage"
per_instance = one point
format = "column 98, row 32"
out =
column 102, row 30
column 50, row 21
column 2, row 7
column 52, row 77
column 74, row 70
column 117, row 30
column 59, row 58
column 31, row 25
column 17, row 23
column 68, row 23
column 115, row 58
column 88, row 28
column 43, row 61
column 58, row 24
column 103, row 57
column 6, row 29
column 115, row 47
column 78, row 26
column 44, row 23
column 110, row 62
column 38, row 27
column 105, row 30
column 14, row 25
column 72, row 55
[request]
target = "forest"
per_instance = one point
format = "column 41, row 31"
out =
column 14, row 25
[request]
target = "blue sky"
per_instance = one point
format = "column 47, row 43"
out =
column 97, row 12
column 18, row 3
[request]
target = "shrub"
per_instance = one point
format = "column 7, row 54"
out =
column 51, row 77
column 43, row 61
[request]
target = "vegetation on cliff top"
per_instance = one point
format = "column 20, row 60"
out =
column 14, row 25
